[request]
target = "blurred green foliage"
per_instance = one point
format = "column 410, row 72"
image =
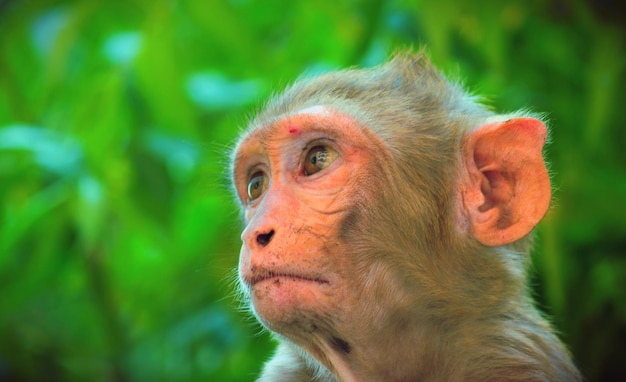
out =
column 118, row 234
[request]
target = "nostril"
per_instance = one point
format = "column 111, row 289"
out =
column 264, row 238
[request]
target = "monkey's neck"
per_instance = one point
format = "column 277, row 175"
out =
column 436, row 352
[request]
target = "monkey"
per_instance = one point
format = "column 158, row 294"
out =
column 388, row 216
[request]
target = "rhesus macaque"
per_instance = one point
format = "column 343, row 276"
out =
column 387, row 229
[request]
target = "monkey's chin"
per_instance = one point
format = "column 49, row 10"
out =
column 278, row 298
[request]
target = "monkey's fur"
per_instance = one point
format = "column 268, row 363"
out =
column 435, row 303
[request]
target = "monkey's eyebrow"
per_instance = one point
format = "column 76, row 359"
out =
column 238, row 160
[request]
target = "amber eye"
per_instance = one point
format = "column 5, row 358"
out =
column 318, row 158
column 256, row 185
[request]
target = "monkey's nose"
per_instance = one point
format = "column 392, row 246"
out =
column 264, row 239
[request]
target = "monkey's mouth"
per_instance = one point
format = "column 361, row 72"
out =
column 259, row 277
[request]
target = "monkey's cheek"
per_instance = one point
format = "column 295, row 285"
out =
column 281, row 300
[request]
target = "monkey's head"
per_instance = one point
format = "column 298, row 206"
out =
column 370, row 197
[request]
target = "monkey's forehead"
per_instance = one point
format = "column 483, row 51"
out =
column 317, row 118
column 267, row 128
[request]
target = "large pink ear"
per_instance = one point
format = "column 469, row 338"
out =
column 505, row 188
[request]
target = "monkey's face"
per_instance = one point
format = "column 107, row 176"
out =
column 298, row 179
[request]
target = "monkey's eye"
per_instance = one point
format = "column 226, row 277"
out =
column 318, row 158
column 256, row 185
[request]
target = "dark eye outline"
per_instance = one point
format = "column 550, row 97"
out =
column 330, row 156
column 262, row 186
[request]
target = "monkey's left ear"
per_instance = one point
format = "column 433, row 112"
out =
column 505, row 188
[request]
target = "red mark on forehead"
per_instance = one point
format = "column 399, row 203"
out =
column 293, row 129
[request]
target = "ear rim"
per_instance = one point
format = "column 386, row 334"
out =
column 504, row 222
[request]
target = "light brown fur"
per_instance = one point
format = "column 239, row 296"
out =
column 415, row 297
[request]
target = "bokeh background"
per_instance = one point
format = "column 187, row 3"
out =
column 118, row 234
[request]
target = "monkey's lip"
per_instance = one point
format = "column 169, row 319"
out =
column 256, row 278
